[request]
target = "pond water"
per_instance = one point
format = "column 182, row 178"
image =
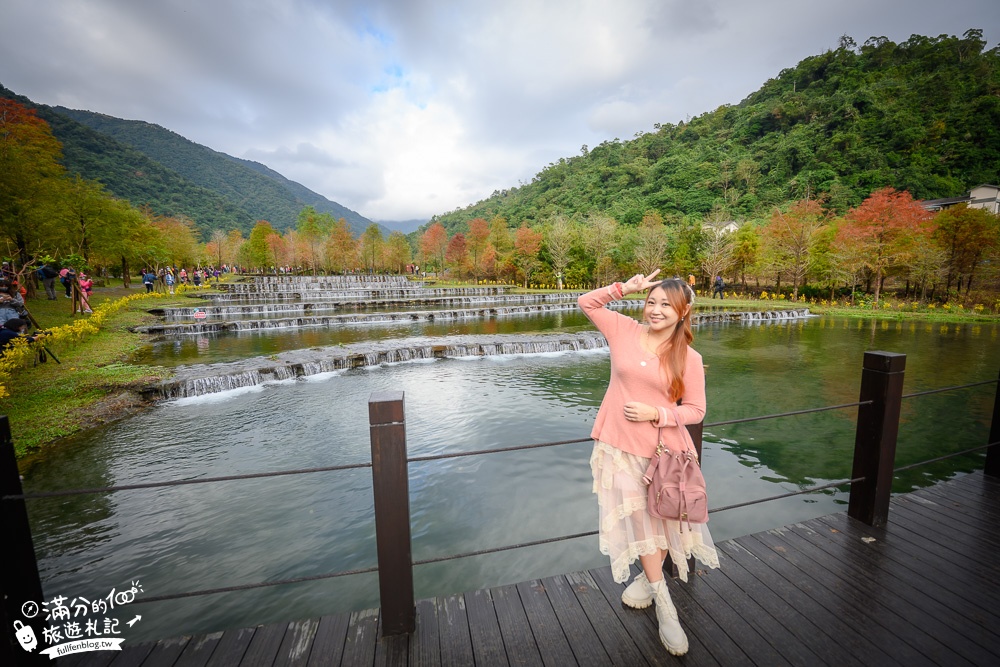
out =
column 224, row 534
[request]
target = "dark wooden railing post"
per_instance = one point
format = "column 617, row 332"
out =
column 21, row 582
column 993, row 453
column 875, row 438
column 390, row 483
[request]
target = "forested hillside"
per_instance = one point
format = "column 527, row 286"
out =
column 921, row 116
column 263, row 193
column 152, row 167
column 135, row 177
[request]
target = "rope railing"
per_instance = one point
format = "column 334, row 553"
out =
column 181, row 482
column 788, row 414
column 945, row 457
column 247, row 587
column 438, row 457
column 943, row 389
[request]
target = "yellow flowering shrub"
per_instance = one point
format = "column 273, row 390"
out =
column 20, row 353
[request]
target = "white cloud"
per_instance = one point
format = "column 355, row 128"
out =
column 406, row 108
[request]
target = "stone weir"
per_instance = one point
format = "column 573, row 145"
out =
column 197, row 380
column 366, row 318
column 220, row 326
column 347, row 280
column 295, row 309
column 350, row 294
column 751, row 316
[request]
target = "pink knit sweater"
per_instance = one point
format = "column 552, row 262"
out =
column 635, row 376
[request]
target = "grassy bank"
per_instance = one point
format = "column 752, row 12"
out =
column 94, row 383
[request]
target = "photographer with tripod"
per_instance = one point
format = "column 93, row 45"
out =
column 11, row 301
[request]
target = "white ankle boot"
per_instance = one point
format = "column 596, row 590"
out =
column 671, row 634
column 638, row 594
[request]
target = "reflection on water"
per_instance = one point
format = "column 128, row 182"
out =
column 207, row 536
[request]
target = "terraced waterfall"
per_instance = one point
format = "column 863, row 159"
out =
column 278, row 305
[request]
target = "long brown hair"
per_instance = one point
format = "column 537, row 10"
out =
column 673, row 351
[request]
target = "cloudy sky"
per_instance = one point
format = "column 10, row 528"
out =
column 401, row 109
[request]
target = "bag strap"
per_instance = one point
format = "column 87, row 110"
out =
column 685, row 434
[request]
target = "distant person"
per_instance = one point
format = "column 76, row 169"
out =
column 717, row 287
column 7, row 272
column 86, row 288
column 183, row 275
column 691, row 281
column 657, row 387
column 66, row 276
column 148, row 279
column 169, row 280
column 48, row 276
column 197, row 278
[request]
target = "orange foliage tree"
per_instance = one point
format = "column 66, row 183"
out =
column 434, row 244
column 527, row 243
column 31, row 177
column 479, row 235
column 457, row 253
column 967, row 236
column 341, row 248
column 882, row 230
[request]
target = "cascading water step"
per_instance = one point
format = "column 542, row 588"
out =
column 202, row 379
column 312, row 308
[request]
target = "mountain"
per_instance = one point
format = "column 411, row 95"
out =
column 404, row 226
column 149, row 165
column 922, row 116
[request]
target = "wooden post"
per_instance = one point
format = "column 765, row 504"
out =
column 875, row 438
column 21, row 582
column 390, row 484
column 993, row 453
column 696, row 431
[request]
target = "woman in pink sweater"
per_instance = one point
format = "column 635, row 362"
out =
column 652, row 366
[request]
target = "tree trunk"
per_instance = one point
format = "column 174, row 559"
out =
column 126, row 278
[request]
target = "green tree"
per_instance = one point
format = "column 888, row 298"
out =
column 371, row 247
column 397, row 252
column 600, row 234
column 256, row 252
column 560, row 235
column 790, row 236
column 746, row 250
column 313, row 229
column 652, row 243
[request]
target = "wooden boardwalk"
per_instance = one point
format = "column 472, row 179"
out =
column 925, row 590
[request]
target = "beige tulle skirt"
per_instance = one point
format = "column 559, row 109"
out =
column 627, row 530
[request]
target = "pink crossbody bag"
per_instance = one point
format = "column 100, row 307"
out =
column 676, row 486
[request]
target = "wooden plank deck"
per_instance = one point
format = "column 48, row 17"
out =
column 925, row 590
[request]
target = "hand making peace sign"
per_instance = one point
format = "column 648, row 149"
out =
column 639, row 283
